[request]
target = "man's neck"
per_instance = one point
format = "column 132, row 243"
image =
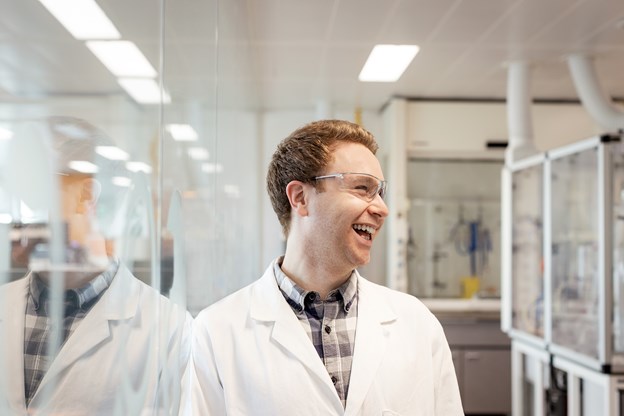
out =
column 71, row 280
column 313, row 275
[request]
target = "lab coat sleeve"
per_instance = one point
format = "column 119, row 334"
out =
column 206, row 390
column 447, row 398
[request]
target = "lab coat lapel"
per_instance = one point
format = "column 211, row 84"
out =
column 268, row 305
column 119, row 302
column 375, row 317
column 13, row 308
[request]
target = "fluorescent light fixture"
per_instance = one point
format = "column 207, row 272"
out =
column 138, row 167
column 144, row 91
column 83, row 166
column 71, row 130
column 182, row 132
column 5, row 134
column 123, row 58
column 198, row 153
column 212, row 167
column 386, row 63
column 5, row 218
column 111, row 152
column 121, row 181
column 82, row 18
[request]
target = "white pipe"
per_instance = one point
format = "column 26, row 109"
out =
column 593, row 97
column 519, row 120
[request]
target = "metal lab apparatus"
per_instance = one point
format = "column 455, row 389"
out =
column 585, row 276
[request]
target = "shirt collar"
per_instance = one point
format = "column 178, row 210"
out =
column 297, row 297
column 81, row 297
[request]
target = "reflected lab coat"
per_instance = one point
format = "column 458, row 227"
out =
column 113, row 359
column 251, row 356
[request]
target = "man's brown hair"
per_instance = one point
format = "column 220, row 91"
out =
column 304, row 154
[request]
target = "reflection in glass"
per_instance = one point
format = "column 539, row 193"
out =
column 575, row 243
column 81, row 334
column 527, row 249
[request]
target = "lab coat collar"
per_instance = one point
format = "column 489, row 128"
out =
column 269, row 306
column 119, row 302
column 375, row 316
column 374, row 325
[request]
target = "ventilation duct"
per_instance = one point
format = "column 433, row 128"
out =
column 597, row 103
column 519, row 120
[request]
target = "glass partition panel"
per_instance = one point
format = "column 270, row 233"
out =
column 575, row 244
column 454, row 219
column 211, row 173
column 81, row 271
column 527, row 250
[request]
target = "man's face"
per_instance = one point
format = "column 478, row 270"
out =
column 333, row 228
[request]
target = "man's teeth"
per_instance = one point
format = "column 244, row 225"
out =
column 365, row 228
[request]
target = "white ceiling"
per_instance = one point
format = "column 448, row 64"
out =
column 295, row 54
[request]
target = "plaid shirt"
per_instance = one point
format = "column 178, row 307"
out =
column 330, row 324
column 38, row 328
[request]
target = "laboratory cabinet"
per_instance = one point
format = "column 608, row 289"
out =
column 482, row 358
column 586, row 252
column 563, row 286
column 566, row 251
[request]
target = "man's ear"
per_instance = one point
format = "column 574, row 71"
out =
column 90, row 190
column 297, row 193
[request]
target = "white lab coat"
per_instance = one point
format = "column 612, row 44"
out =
column 251, row 356
column 126, row 357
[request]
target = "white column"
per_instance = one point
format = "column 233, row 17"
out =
column 395, row 130
column 519, row 120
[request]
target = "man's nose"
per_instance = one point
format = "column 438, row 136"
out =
column 378, row 207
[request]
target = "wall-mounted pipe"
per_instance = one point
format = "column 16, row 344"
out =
column 595, row 100
column 519, row 121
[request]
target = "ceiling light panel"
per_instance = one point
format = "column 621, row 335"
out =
column 182, row 132
column 138, row 167
column 112, row 152
column 144, row 91
column 84, row 19
column 123, row 58
column 198, row 153
column 386, row 63
column 83, row 166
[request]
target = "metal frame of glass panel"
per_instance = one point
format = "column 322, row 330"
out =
column 535, row 222
column 581, row 239
column 583, row 254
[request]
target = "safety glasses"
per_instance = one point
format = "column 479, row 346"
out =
column 363, row 185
